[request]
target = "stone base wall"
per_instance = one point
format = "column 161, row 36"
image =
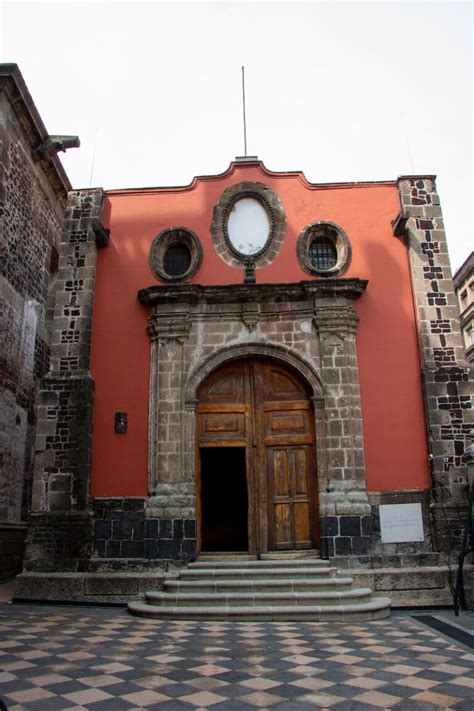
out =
column 359, row 535
column 102, row 587
column 125, row 537
column 58, row 542
column 411, row 586
column 407, row 585
column 12, row 543
column 449, row 521
column 346, row 535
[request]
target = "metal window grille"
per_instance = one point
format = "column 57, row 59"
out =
column 177, row 260
column 322, row 254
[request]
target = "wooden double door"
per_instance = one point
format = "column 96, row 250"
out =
column 256, row 460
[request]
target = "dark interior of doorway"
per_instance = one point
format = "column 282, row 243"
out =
column 224, row 501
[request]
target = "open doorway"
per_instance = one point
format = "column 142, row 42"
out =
column 224, row 500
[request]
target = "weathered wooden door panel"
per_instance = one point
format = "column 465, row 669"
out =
column 222, row 422
column 225, row 385
column 290, row 496
column 282, row 537
column 265, row 408
column 301, row 514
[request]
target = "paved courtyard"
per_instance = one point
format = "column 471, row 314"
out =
column 74, row 658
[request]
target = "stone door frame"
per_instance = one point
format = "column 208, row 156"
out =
column 308, row 326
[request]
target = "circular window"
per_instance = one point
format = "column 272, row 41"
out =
column 324, row 249
column 248, row 226
column 175, row 254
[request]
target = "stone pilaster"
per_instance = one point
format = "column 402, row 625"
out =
column 346, row 522
column 59, row 534
column 171, row 506
column 445, row 373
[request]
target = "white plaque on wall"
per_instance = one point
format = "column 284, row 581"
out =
column 401, row 523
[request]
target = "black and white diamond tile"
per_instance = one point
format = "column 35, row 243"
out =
column 102, row 659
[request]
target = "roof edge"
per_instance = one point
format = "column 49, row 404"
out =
column 463, row 270
column 13, row 84
column 241, row 165
column 417, row 176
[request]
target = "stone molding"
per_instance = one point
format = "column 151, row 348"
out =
column 165, row 330
column 253, row 349
column 344, row 289
column 276, row 214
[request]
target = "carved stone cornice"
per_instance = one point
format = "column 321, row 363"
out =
column 241, row 293
column 164, row 330
column 336, row 319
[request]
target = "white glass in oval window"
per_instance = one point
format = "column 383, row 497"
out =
column 248, row 226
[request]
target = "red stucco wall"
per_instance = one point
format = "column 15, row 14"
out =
column 395, row 440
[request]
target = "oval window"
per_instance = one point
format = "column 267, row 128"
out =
column 177, row 260
column 248, row 226
column 322, row 254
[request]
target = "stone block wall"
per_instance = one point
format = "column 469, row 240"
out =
column 446, row 375
column 31, row 207
column 60, row 524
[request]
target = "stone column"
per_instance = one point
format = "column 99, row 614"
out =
column 444, row 371
column 59, row 530
column 346, row 521
column 171, row 506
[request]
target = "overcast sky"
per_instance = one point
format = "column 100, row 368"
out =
column 340, row 90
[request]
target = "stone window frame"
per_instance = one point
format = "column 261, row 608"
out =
column 332, row 232
column 160, row 245
column 274, row 208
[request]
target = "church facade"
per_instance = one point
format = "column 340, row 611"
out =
column 250, row 364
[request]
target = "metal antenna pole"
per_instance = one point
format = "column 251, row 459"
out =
column 243, row 105
column 93, row 157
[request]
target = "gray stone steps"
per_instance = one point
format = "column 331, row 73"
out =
column 308, row 589
column 258, row 599
column 257, row 573
column 376, row 608
column 215, row 556
column 288, row 555
column 259, row 564
column 252, row 585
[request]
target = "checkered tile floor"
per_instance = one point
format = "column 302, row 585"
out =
column 74, row 658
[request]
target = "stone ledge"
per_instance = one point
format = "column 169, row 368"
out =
column 412, row 587
column 85, row 587
column 407, row 586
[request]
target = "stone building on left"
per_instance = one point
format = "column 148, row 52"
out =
column 33, row 194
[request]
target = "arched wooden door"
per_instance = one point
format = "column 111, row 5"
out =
column 256, row 459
